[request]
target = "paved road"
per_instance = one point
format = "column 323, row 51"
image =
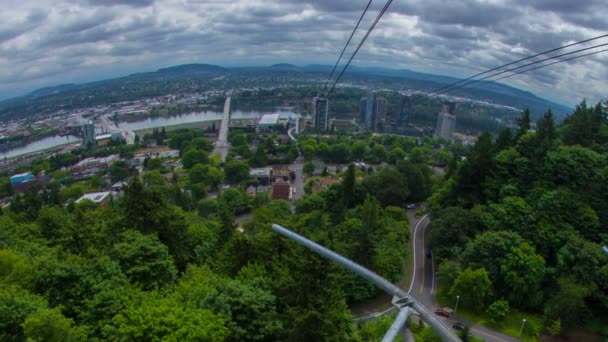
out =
column 298, row 184
column 221, row 145
column 423, row 283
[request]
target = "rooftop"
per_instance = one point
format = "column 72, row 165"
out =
column 269, row 119
column 95, row 197
column 103, row 137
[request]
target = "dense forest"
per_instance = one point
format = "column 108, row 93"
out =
column 161, row 263
column 522, row 220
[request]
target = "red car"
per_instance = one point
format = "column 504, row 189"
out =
column 442, row 312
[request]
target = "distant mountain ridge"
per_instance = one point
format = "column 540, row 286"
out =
column 200, row 77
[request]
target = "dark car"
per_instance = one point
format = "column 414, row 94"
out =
column 442, row 312
column 458, row 326
column 429, row 253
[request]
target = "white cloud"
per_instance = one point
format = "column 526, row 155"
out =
column 43, row 42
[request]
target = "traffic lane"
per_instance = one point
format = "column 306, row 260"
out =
column 427, row 286
column 298, row 183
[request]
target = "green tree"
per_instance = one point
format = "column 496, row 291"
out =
column 447, row 272
column 207, row 206
column 524, row 123
column 234, row 200
column 145, row 260
column 568, row 303
column 469, row 188
column 348, row 186
column 453, row 228
column 153, row 164
column 379, row 153
column 16, row 304
column 236, row 171
column 153, row 317
column 193, row 157
column 309, row 167
column 504, row 139
column 50, row 325
column 499, row 310
column 260, row 157
column 207, row 174
column 388, row 186
column 153, row 178
column 395, row 155
column 358, row 150
column 119, row 171
column 474, row 288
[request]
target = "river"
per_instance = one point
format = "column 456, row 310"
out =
column 147, row 123
column 39, row 145
column 164, row 121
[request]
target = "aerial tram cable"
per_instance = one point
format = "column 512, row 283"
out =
column 517, row 61
column 540, row 67
column 516, row 68
column 345, row 46
column 369, row 31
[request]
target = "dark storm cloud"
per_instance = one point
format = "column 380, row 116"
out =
column 61, row 41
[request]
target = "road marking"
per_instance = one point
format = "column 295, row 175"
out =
column 494, row 338
column 414, row 251
column 433, row 271
column 423, row 263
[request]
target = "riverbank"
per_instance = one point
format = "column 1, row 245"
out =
column 199, row 124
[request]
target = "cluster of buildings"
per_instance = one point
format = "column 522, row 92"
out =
column 278, row 177
column 446, row 121
column 372, row 111
column 374, row 116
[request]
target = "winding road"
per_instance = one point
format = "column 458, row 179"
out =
column 423, row 283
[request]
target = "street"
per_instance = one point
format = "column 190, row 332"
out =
column 298, row 184
column 423, row 282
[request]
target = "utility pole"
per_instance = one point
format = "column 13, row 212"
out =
column 456, row 307
column 523, row 322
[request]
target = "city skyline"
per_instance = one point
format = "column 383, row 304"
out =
column 45, row 44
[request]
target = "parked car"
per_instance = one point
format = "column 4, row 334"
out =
column 458, row 326
column 442, row 312
column 429, row 253
column 411, row 206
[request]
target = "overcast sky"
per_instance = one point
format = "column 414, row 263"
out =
column 48, row 42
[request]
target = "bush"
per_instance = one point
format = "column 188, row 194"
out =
column 499, row 310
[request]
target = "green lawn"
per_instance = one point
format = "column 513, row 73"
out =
column 510, row 326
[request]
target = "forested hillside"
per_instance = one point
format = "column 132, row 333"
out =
column 150, row 267
column 522, row 221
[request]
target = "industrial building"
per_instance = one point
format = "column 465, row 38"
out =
column 281, row 190
column 362, row 109
column 88, row 134
column 446, row 121
column 370, row 111
column 268, row 121
column 320, row 113
column 21, row 177
column 405, row 110
column 381, row 110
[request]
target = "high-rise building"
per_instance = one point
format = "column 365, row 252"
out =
column 88, row 134
column 320, row 114
column 370, row 111
column 405, row 109
column 446, row 121
column 362, row 109
column 381, row 110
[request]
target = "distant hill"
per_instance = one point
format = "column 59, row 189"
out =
column 201, row 77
